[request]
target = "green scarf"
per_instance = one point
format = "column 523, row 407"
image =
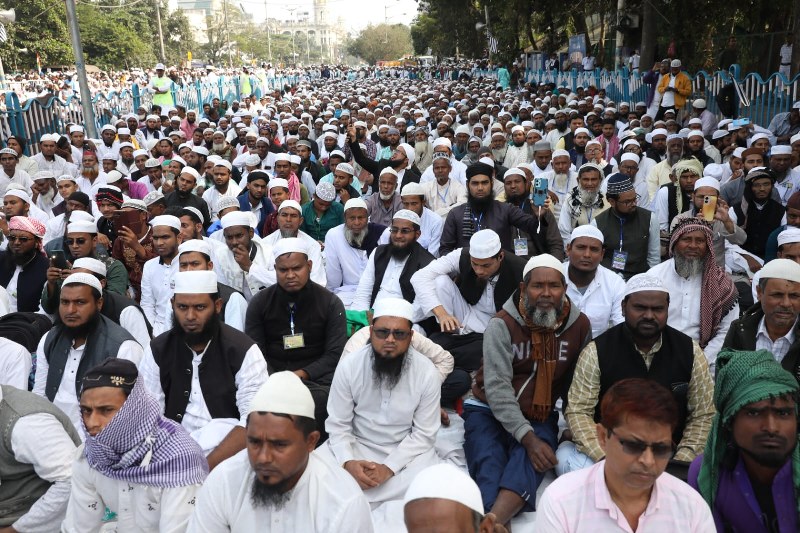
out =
column 742, row 378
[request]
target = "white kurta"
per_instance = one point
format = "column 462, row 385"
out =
column 326, row 499
column 396, row 427
column 430, row 232
column 344, row 265
column 157, row 290
column 212, row 196
column 15, row 365
column 139, row 508
column 314, row 254
column 260, row 275
column 684, row 308
column 560, row 188
column 458, row 173
column 441, row 199
column 601, row 302
column 19, row 177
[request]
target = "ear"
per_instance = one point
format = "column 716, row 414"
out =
column 100, row 304
column 602, row 436
column 759, row 294
column 218, row 305
column 311, row 441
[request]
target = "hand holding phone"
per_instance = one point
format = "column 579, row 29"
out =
column 539, row 195
column 709, row 208
column 58, row 259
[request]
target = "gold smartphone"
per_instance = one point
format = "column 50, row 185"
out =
column 709, row 208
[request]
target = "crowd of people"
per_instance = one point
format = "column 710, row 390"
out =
column 403, row 305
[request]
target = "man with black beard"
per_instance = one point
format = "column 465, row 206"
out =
column 561, row 129
column 279, row 480
column 347, row 248
column 401, row 159
column 305, row 149
column 384, row 408
column 23, row 266
column 204, row 373
column 81, row 340
column 516, row 191
column 299, row 325
column 183, row 196
column 482, row 212
column 660, row 174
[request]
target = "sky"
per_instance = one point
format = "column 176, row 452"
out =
column 356, row 14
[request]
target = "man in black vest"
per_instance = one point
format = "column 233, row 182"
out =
column 463, row 290
column 299, row 325
column 195, row 254
column 631, row 234
column 83, row 339
column 204, row 372
column 643, row 346
column 23, row 266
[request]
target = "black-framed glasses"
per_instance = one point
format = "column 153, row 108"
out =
column 402, row 231
column 23, row 240
column 398, row 334
column 632, row 201
column 79, row 241
column 637, row 447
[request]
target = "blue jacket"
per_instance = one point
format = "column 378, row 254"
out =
column 266, row 209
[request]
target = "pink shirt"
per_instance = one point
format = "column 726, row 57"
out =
column 580, row 502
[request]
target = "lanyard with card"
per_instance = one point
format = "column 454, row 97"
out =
column 293, row 341
column 619, row 258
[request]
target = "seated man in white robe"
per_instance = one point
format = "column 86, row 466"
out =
column 203, row 372
column 290, row 218
column 277, row 484
column 248, row 266
column 163, row 469
column 431, row 225
column 383, row 408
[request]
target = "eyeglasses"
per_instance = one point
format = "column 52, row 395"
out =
column 23, row 240
column 635, row 447
column 630, row 202
column 398, row 334
column 80, row 241
column 401, row 231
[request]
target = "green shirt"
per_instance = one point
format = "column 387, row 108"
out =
column 318, row 228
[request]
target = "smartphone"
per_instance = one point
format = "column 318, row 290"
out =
column 539, row 194
column 709, row 208
column 58, row 259
column 128, row 219
column 739, row 122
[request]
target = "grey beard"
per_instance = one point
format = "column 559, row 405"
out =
column 587, row 197
column 355, row 239
column 560, row 180
column 385, row 197
column 288, row 234
column 218, row 147
column 673, row 158
column 544, row 319
column 689, row 268
column 274, row 497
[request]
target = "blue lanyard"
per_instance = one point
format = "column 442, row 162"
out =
column 443, row 197
column 477, row 222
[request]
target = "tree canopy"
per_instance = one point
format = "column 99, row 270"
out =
column 386, row 42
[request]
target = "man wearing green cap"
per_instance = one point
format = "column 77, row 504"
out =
column 750, row 471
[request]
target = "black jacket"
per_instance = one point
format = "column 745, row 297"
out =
column 412, row 173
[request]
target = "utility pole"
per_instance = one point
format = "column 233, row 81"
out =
column 620, row 36
column 269, row 36
column 488, row 30
column 80, row 67
column 227, row 32
column 160, row 33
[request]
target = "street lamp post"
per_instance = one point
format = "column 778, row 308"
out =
column 80, row 67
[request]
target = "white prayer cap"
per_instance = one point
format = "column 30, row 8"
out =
column 282, row 157
column 407, row 214
column 389, row 170
column 283, row 393
column 113, row 176
column 781, row 269
column 694, row 133
column 325, row 191
column 346, row 167
column 337, row 153
column 191, row 172
column 202, row 150
column 542, row 261
column 695, row 121
column 81, row 226
column 713, row 170
column 152, row 197
column 699, row 103
column 235, row 218
column 222, row 163
column 396, row 307
column 295, row 159
column 83, row 279
column 794, row 139
column 196, row 282
column 195, row 245
column 757, row 137
column 252, row 160
column 22, row 195
column 278, row 182
column 447, row 482
column 65, row 177
column 294, row 204
column 516, row 129
column 412, row 189
column 487, row 161
column 582, row 130
column 442, row 141
column 81, row 216
column 514, row 172
column 166, row 220
column 707, row 181
column 587, row 230
column 408, row 150
column 196, row 213
column 484, row 244
column 788, row 236
column 659, row 131
column 644, row 282
column 108, row 127
column 630, row 142
column 781, row 149
column 355, row 203
column 91, row 264
column 359, row 124
column 76, row 129
column 289, row 245
column 629, row 156
column 560, row 153
column 719, row 134
column 227, row 202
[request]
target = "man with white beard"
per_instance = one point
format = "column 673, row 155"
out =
column 517, row 151
column 560, row 180
column 91, row 177
column 584, row 203
column 660, row 174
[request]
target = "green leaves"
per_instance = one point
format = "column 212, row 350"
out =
column 388, row 42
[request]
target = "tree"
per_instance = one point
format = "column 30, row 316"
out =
column 41, row 28
column 108, row 39
column 382, row 42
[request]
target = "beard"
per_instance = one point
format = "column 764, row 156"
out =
column 688, row 268
column 587, row 197
column 543, row 318
column 288, row 233
column 673, row 158
column 82, row 331
column 90, row 173
column 399, row 252
column 273, row 497
column 387, row 370
column 197, row 337
column 218, row 147
column 515, row 199
column 560, row 180
column 480, row 204
column 394, row 163
column 385, row 197
column 499, row 153
column 355, row 239
column 769, row 459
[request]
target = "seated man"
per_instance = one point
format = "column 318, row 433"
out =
column 83, row 339
column 637, row 417
column 748, row 473
column 158, row 273
column 154, row 489
column 383, row 410
column 204, row 373
column 299, row 325
column 759, row 214
column 702, row 296
column 584, row 203
column 431, row 224
column 347, row 248
column 134, row 246
column 23, row 266
column 277, row 480
column 36, row 470
column 322, row 213
column 381, row 206
column 643, row 346
column 290, row 218
column 485, row 277
column 530, row 350
column 248, row 265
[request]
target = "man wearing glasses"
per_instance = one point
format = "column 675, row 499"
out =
column 630, row 232
column 628, row 490
column 643, row 346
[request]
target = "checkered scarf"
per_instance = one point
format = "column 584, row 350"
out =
column 718, row 294
column 141, row 446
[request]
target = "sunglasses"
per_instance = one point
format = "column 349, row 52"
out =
column 398, row 334
column 23, row 240
column 79, row 241
column 636, row 447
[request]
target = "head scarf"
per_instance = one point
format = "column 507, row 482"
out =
column 141, row 446
column 742, row 378
column 31, row 225
column 718, row 294
column 294, row 187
